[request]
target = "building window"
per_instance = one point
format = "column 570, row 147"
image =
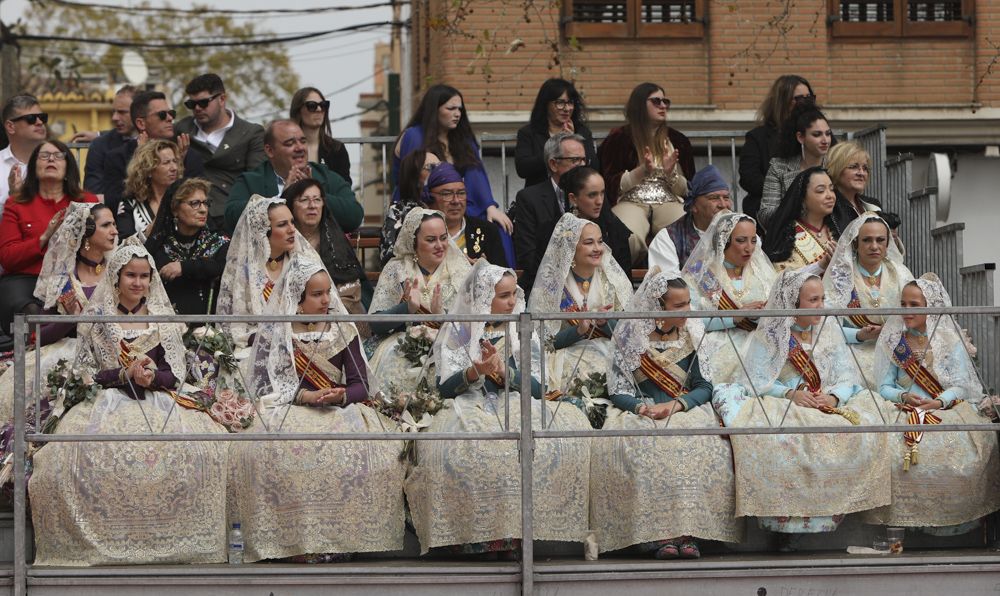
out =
column 901, row 18
column 634, row 18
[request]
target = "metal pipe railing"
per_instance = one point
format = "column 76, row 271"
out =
column 525, row 436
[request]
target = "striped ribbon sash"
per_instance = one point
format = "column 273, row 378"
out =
column 308, row 371
column 905, row 359
column 727, row 303
column 804, row 364
column 859, row 321
column 422, row 310
column 660, row 377
column 911, row 437
column 268, row 288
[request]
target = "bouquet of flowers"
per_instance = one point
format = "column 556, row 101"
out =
column 226, row 405
column 592, row 394
column 210, row 352
column 398, row 404
column 66, row 387
column 416, row 344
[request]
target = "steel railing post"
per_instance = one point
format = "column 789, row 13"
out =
column 527, row 451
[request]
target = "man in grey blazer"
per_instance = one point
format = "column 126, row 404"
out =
column 227, row 144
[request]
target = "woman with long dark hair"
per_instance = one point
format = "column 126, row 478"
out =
column 311, row 111
column 761, row 143
column 803, row 231
column 558, row 108
column 646, row 165
column 441, row 125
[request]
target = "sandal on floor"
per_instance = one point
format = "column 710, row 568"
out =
column 689, row 550
column 667, row 551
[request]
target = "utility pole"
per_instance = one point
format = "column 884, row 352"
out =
column 9, row 69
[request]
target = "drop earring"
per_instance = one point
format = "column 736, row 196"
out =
column 86, row 245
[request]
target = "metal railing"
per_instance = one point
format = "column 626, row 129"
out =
column 526, row 435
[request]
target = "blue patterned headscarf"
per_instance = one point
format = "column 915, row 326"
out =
column 443, row 173
column 708, row 180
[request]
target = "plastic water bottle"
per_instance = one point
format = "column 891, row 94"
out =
column 236, row 545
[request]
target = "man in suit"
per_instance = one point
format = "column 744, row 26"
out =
column 104, row 143
column 538, row 207
column 227, row 144
column 287, row 163
column 153, row 118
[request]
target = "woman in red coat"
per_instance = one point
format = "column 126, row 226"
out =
column 30, row 218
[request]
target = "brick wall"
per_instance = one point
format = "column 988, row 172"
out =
column 730, row 68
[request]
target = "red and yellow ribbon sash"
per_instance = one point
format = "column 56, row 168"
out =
column 804, row 364
column 424, row 311
column 727, row 303
column 308, row 371
column 597, row 331
column 268, row 288
column 660, row 377
column 905, row 359
column 858, row 321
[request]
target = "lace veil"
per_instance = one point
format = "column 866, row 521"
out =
column 59, row 263
column 950, row 364
column 705, row 269
column 101, row 344
column 458, row 343
column 841, row 274
column 403, row 266
column 766, row 351
column 554, row 269
column 631, row 336
column 271, row 368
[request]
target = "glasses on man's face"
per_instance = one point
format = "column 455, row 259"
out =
column 576, row 161
column 317, row 106
column 802, row 98
column 196, row 205
column 51, row 156
column 162, row 114
column 32, row 118
column 201, row 103
column 564, row 104
column 450, row 196
column 660, row 102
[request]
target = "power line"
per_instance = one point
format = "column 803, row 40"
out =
column 213, row 11
column 125, row 43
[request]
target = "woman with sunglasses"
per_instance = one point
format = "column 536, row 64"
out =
column 646, row 165
column 761, row 143
column 30, row 219
column 311, row 111
column 558, row 108
column 189, row 257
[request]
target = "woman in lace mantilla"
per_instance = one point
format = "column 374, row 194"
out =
column 798, row 373
column 422, row 277
column 577, row 274
column 466, row 494
column 638, row 497
column 314, row 500
column 70, row 271
column 866, row 271
column 942, row 482
column 263, row 242
column 130, row 502
column 727, row 271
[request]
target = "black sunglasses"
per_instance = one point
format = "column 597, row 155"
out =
column 32, row 118
column 318, row 106
column 162, row 114
column 201, row 103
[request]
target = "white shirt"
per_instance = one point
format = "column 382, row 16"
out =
column 214, row 139
column 7, row 163
column 663, row 253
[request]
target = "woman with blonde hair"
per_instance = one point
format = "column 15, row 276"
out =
column 154, row 167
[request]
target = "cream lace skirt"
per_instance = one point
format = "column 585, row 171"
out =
column 956, row 479
column 577, row 362
column 803, row 475
column 65, row 349
column 644, row 489
column 130, row 503
column 463, row 492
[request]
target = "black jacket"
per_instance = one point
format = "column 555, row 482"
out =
column 529, row 155
column 97, row 154
column 482, row 239
column 336, row 158
column 759, row 146
column 199, row 278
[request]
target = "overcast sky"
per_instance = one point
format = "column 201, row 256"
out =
column 328, row 63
